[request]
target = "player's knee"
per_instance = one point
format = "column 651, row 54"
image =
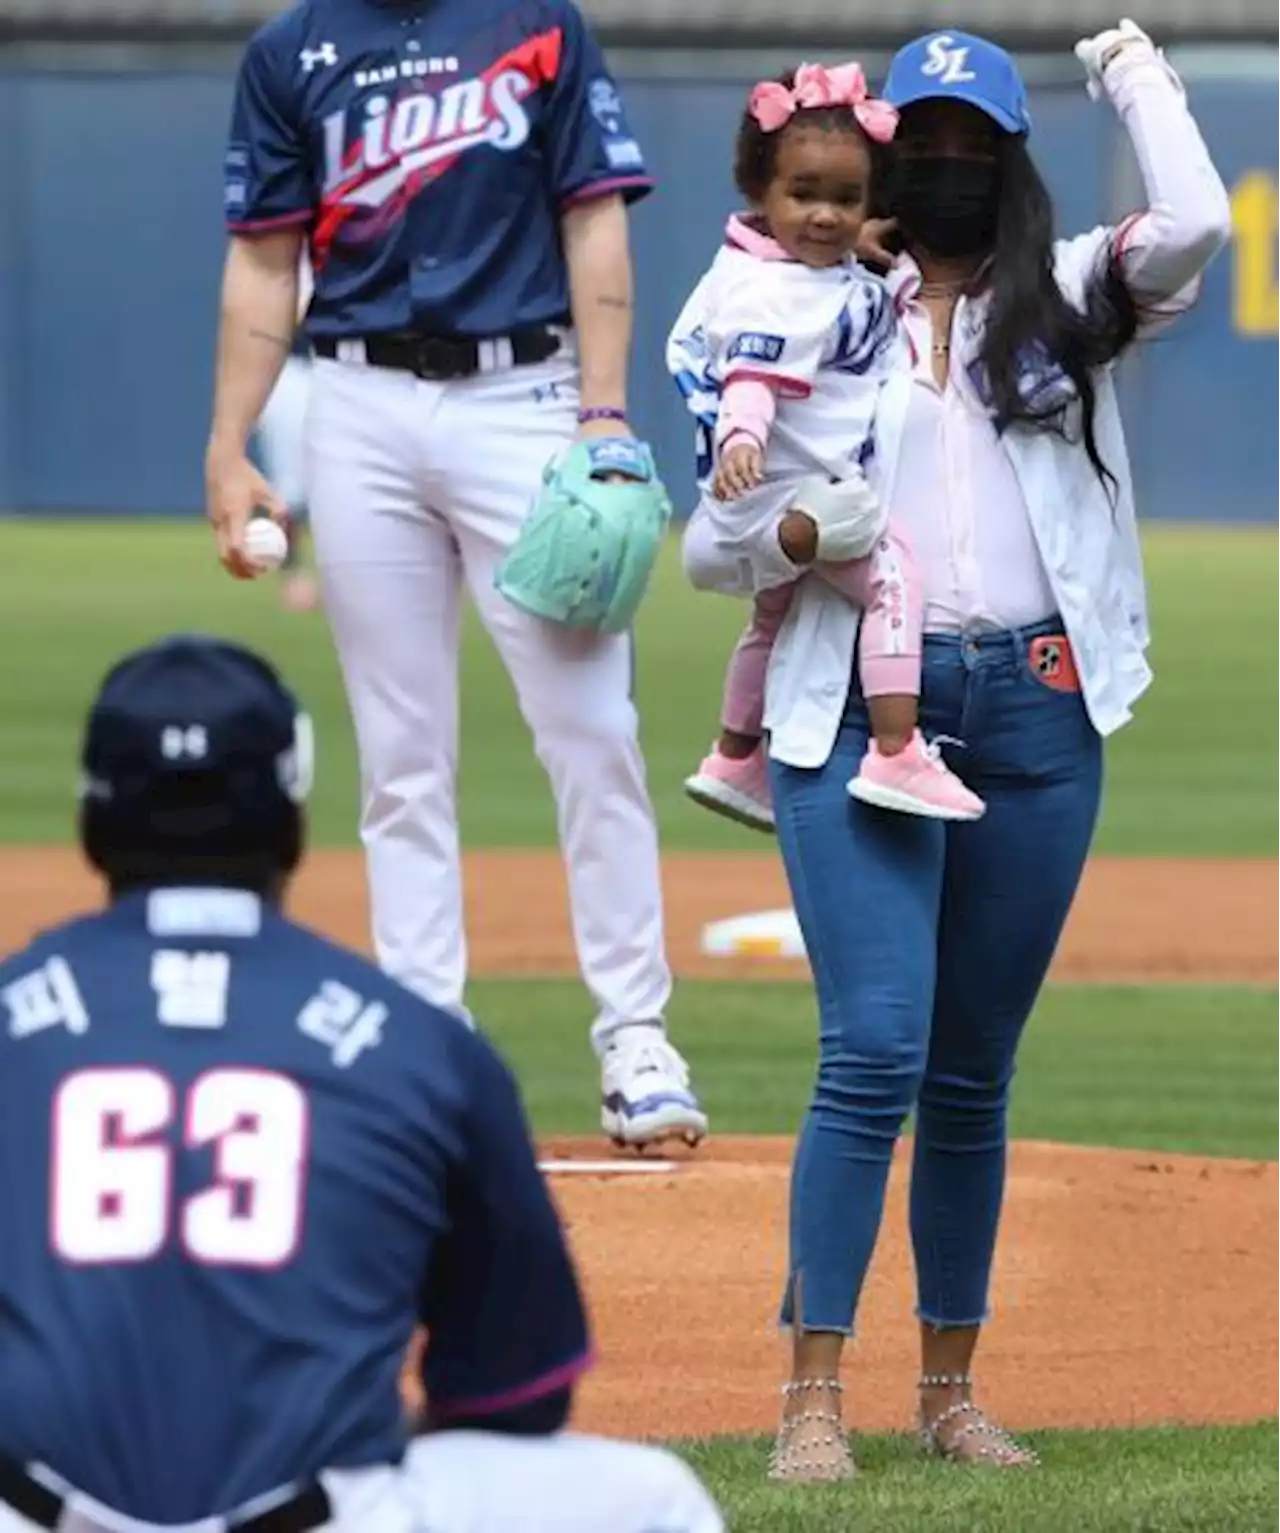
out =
column 572, row 730
column 403, row 757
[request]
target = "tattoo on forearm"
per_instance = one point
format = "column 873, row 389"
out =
column 285, row 343
column 612, row 301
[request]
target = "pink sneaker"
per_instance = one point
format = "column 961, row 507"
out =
column 915, row 781
column 739, row 790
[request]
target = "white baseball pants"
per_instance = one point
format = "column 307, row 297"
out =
column 481, row 1482
column 375, row 1500
column 281, row 434
column 415, row 490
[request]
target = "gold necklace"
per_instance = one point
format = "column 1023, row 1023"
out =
column 941, row 348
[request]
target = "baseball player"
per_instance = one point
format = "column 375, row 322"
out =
column 239, row 1165
column 460, row 173
column 281, row 428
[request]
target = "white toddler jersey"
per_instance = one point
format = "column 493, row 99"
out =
column 823, row 338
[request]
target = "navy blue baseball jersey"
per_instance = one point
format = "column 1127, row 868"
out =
column 429, row 148
column 236, row 1164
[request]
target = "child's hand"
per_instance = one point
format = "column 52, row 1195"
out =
column 741, row 468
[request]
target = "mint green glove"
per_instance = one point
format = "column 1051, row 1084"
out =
column 589, row 544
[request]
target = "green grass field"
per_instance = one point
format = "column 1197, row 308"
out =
column 1194, row 775
column 1189, row 1068
column 1131, row 1066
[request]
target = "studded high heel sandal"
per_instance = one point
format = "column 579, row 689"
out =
column 963, row 1433
column 811, row 1444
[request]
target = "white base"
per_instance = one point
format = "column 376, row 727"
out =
column 607, row 1167
column 765, row 934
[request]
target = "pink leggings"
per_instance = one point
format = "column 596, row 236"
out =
column 885, row 585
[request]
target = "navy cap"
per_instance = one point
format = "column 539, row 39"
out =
column 956, row 66
column 194, row 736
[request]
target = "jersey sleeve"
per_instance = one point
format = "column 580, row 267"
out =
column 590, row 147
column 502, row 1306
column 267, row 181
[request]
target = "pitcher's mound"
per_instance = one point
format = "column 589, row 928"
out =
column 1130, row 1288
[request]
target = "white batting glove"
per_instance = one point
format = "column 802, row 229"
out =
column 848, row 515
column 1096, row 54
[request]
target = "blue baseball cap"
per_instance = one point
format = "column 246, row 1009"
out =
column 195, row 738
column 956, row 66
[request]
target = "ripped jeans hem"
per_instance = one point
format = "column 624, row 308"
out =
column 935, row 1323
column 790, row 1327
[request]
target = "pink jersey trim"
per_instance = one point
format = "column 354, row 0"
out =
column 1123, row 235
column 740, row 235
column 594, row 189
column 265, row 225
column 747, row 408
column 535, row 1389
column 1173, row 307
column 780, row 383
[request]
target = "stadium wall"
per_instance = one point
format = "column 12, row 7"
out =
column 111, row 244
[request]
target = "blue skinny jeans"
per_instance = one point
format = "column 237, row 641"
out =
column 929, row 943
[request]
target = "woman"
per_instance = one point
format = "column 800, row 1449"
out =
column 999, row 452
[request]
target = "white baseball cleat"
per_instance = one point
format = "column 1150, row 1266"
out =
column 645, row 1092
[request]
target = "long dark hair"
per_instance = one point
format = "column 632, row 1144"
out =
column 1029, row 313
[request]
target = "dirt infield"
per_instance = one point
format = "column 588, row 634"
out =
column 1131, row 1288
column 1133, row 921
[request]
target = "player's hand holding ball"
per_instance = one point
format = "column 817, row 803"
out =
column 739, row 468
column 234, row 492
column 266, row 544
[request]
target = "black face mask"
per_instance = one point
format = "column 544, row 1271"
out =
column 948, row 205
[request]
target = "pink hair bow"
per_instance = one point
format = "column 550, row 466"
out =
column 772, row 104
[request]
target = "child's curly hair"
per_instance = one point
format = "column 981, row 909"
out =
column 755, row 156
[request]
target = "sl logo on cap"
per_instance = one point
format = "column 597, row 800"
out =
column 944, row 59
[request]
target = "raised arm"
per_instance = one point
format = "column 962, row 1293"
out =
column 1166, row 246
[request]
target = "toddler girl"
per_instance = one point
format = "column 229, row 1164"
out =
column 780, row 352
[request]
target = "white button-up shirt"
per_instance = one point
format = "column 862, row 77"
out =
column 1015, row 528
column 958, row 501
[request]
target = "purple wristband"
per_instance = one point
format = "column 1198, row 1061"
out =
column 601, row 413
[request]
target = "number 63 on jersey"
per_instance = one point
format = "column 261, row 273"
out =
column 116, row 1136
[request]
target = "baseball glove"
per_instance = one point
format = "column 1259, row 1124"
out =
column 588, row 546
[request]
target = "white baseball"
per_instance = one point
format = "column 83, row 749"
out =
column 265, row 544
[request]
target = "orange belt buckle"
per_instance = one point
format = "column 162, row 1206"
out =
column 1053, row 662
